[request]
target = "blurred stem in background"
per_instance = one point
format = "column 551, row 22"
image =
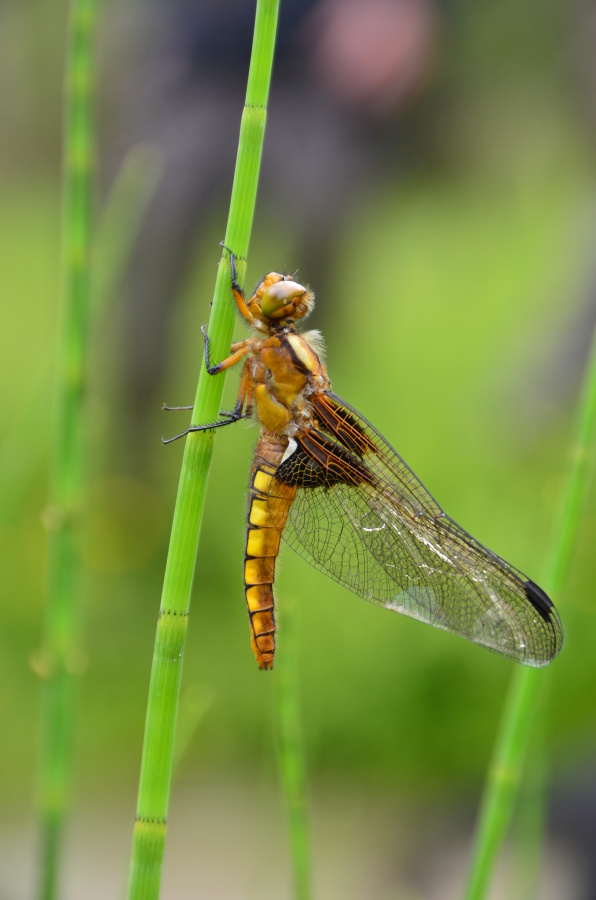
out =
column 292, row 763
column 61, row 657
column 119, row 222
column 117, row 227
column 158, row 748
column 506, row 767
column 528, row 827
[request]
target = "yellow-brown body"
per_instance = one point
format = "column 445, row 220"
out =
column 262, row 546
column 279, row 375
column 281, row 371
column 327, row 479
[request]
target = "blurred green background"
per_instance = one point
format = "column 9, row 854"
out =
column 459, row 297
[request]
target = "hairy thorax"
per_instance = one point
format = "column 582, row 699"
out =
column 285, row 371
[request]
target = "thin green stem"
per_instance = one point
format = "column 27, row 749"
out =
column 117, row 227
column 60, row 657
column 119, row 222
column 291, row 755
column 505, row 771
column 528, row 826
column 156, row 765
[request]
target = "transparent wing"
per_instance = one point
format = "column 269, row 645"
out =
column 361, row 516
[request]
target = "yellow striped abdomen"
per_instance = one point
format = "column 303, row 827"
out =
column 262, row 547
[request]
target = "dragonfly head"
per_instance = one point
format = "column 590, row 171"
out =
column 278, row 299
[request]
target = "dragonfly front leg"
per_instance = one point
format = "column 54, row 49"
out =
column 237, row 292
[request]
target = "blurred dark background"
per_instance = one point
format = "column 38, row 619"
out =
column 429, row 169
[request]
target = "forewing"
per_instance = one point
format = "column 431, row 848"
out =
column 361, row 516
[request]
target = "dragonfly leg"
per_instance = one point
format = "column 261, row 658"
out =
column 242, row 410
column 235, row 285
column 226, row 413
column 234, row 416
column 237, row 291
column 240, row 350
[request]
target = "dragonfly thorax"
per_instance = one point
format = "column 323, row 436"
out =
column 285, row 371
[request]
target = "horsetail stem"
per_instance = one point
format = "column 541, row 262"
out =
column 505, row 771
column 60, row 658
column 292, row 762
column 156, row 766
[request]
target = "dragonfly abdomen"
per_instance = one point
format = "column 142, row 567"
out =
column 262, row 547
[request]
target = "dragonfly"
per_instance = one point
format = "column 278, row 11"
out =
column 328, row 483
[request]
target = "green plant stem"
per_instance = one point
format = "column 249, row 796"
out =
column 156, row 765
column 60, row 656
column 505, row 771
column 118, row 224
column 528, row 825
column 291, row 754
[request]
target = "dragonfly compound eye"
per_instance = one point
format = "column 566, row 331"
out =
column 279, row 296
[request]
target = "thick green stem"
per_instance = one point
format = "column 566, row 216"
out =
column 156, row 766
column 506, row 767
column 60, row 657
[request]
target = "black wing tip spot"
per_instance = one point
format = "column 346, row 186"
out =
column 539, row 600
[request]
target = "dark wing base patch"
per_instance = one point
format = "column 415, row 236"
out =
column 319, row 461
